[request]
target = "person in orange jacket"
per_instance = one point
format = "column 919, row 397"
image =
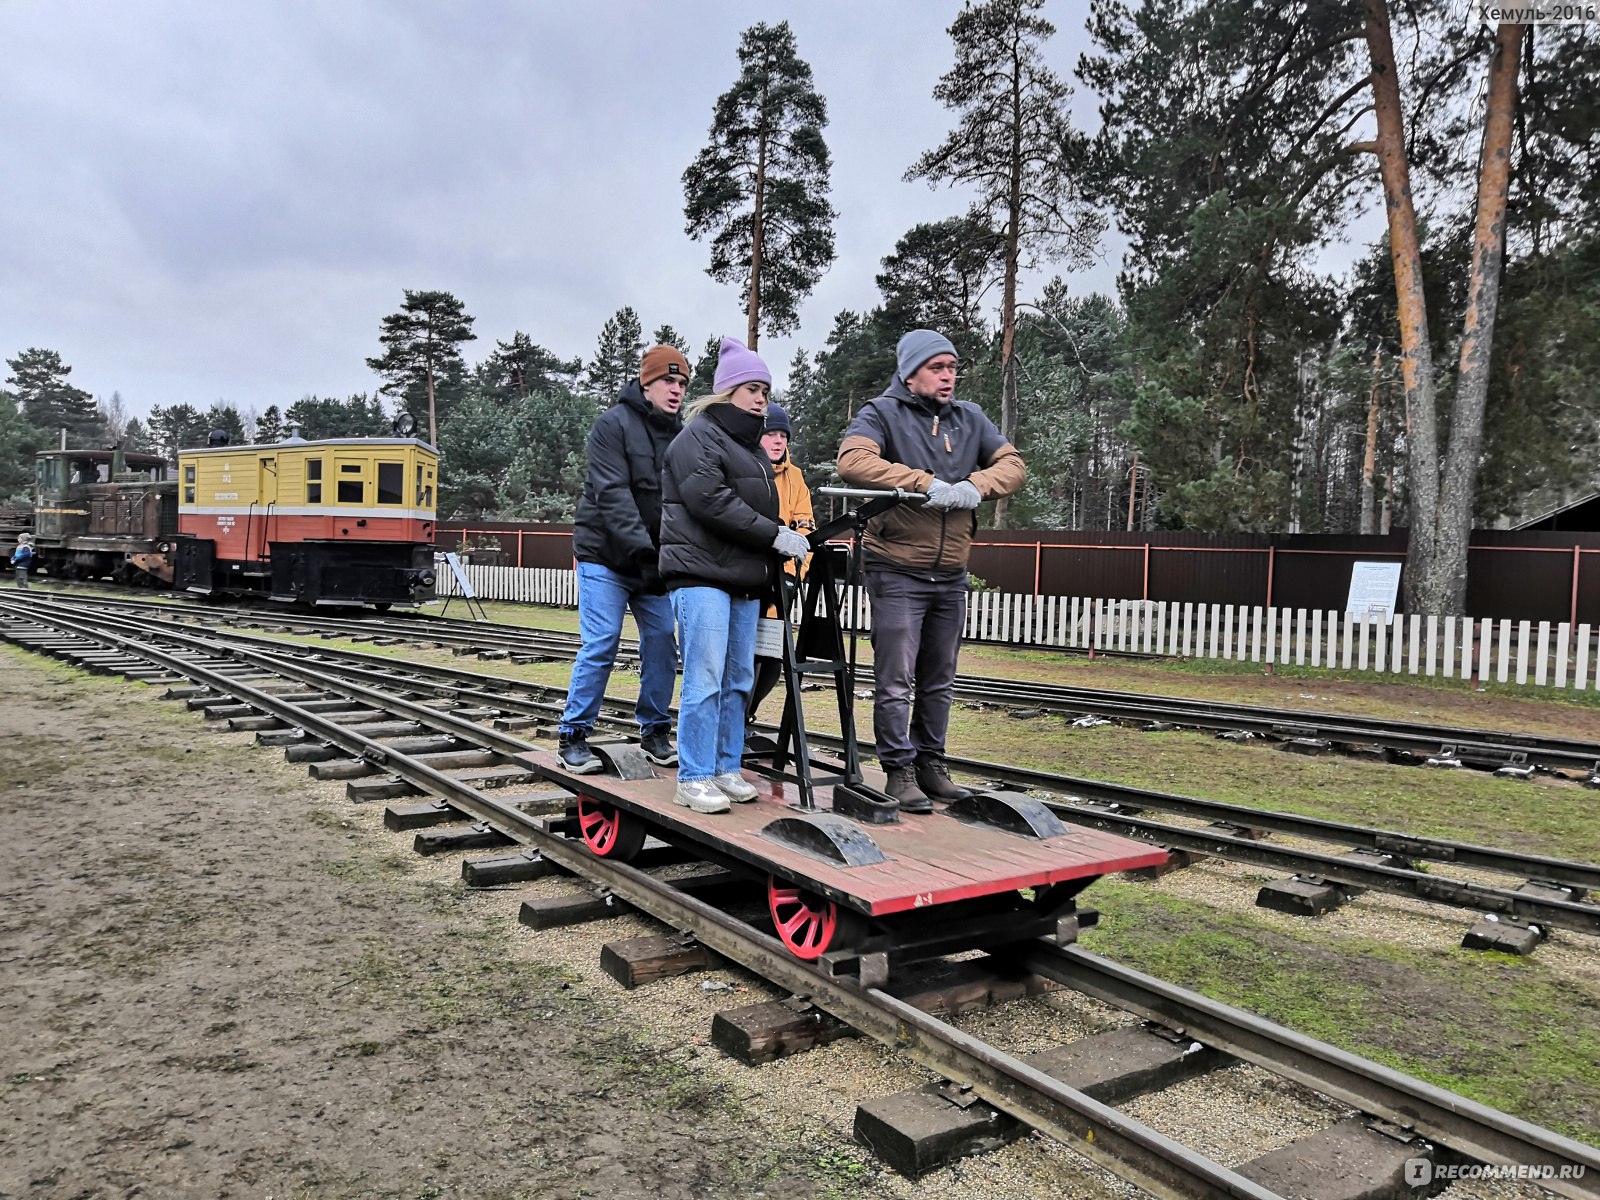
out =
column 795, row 511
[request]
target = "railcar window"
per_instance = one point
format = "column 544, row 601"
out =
column 350, row 491
column 391, row 483
column 313, row 481
column 350, row 468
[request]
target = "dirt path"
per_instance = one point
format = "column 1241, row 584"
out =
column 212, row 985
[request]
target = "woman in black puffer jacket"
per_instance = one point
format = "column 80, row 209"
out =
column 719, row 529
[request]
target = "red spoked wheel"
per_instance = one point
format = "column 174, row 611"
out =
column 608, row 832
column 808, row 925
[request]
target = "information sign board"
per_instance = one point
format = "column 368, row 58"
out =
column 1374, row 590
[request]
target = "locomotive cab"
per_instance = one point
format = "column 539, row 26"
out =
column 344, row 521
column 103, row 513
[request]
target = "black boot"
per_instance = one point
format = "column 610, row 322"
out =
column 902, row 786
column 573, row 750
column 933, row 777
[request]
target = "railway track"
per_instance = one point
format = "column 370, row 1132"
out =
column 1517, row 898
column 430, row 737
column 1406, row 742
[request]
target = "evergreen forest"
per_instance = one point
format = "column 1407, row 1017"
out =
column 1234, row 381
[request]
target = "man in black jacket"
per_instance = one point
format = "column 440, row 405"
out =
column 616, row 539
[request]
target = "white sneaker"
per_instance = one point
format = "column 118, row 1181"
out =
column 702, row 796
column 735, row 787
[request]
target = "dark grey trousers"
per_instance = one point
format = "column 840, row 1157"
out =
column 916, row 636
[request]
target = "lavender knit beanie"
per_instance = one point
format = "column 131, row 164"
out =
column 736, row 365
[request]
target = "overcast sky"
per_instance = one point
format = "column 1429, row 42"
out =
column 218, row 200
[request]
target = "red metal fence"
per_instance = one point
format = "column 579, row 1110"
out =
column 1512, row 574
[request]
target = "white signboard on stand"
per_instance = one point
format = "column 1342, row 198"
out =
column 460, row 573
column 1374, row 590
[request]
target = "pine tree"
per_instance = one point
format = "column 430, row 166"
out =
column 226, row 418
column 19, row 442
column 1016, row 146
column 479, row 447
column 421, row 363
column 705, row 368
column 177, row 427
column 1444, row 480
column 136, row 437
column 49, row 402
column 269, row 426
column 668, row 336
column 616, row 356
column 520, row 367
column 937, row 277
column 759, row 189
column 1223, row 155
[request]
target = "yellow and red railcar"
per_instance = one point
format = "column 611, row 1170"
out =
column 343, row 521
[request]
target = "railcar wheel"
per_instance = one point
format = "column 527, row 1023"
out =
column 608, row 832
column 808, row 925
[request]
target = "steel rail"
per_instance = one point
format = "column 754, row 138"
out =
column 1462, row 1124
column 1480, row 746
column 1290, row 717
column 1124, row 1145
column 1127, row 1147
column 1566, row 914
column 1484, row 747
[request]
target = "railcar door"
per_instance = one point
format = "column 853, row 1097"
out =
column 267, row 474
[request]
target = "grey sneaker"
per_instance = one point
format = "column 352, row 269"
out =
column 701, row 795
column 735, row 787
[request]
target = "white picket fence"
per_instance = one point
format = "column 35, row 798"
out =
column 1542, row 653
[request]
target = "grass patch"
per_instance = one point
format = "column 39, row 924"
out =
column 1502, row 1030
column 1537, row 816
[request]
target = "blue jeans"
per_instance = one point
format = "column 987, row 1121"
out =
column 603, row 598
column 719, row 666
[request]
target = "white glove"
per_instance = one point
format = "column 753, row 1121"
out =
column 965, row 495
column 791, row 544
column 941, row 495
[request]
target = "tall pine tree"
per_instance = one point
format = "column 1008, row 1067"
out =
column 19, row 442
column 49, row 402
column 705, row 368
column 421, row 354
column 616, row 356
column 937, row 277
column 668, row 336
column 759, row 189
column 1016, row 146
column 520, row 367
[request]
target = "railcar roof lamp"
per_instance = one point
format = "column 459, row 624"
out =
column 405, row 425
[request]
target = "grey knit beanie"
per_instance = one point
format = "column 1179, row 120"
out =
column 917, row 347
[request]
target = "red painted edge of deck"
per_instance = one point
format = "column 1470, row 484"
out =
column 905, row 883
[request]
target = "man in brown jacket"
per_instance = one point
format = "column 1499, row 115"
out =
column 918, row 437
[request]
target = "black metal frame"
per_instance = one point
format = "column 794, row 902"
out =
column 821, row 649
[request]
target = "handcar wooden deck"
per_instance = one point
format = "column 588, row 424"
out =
column 984, row 873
